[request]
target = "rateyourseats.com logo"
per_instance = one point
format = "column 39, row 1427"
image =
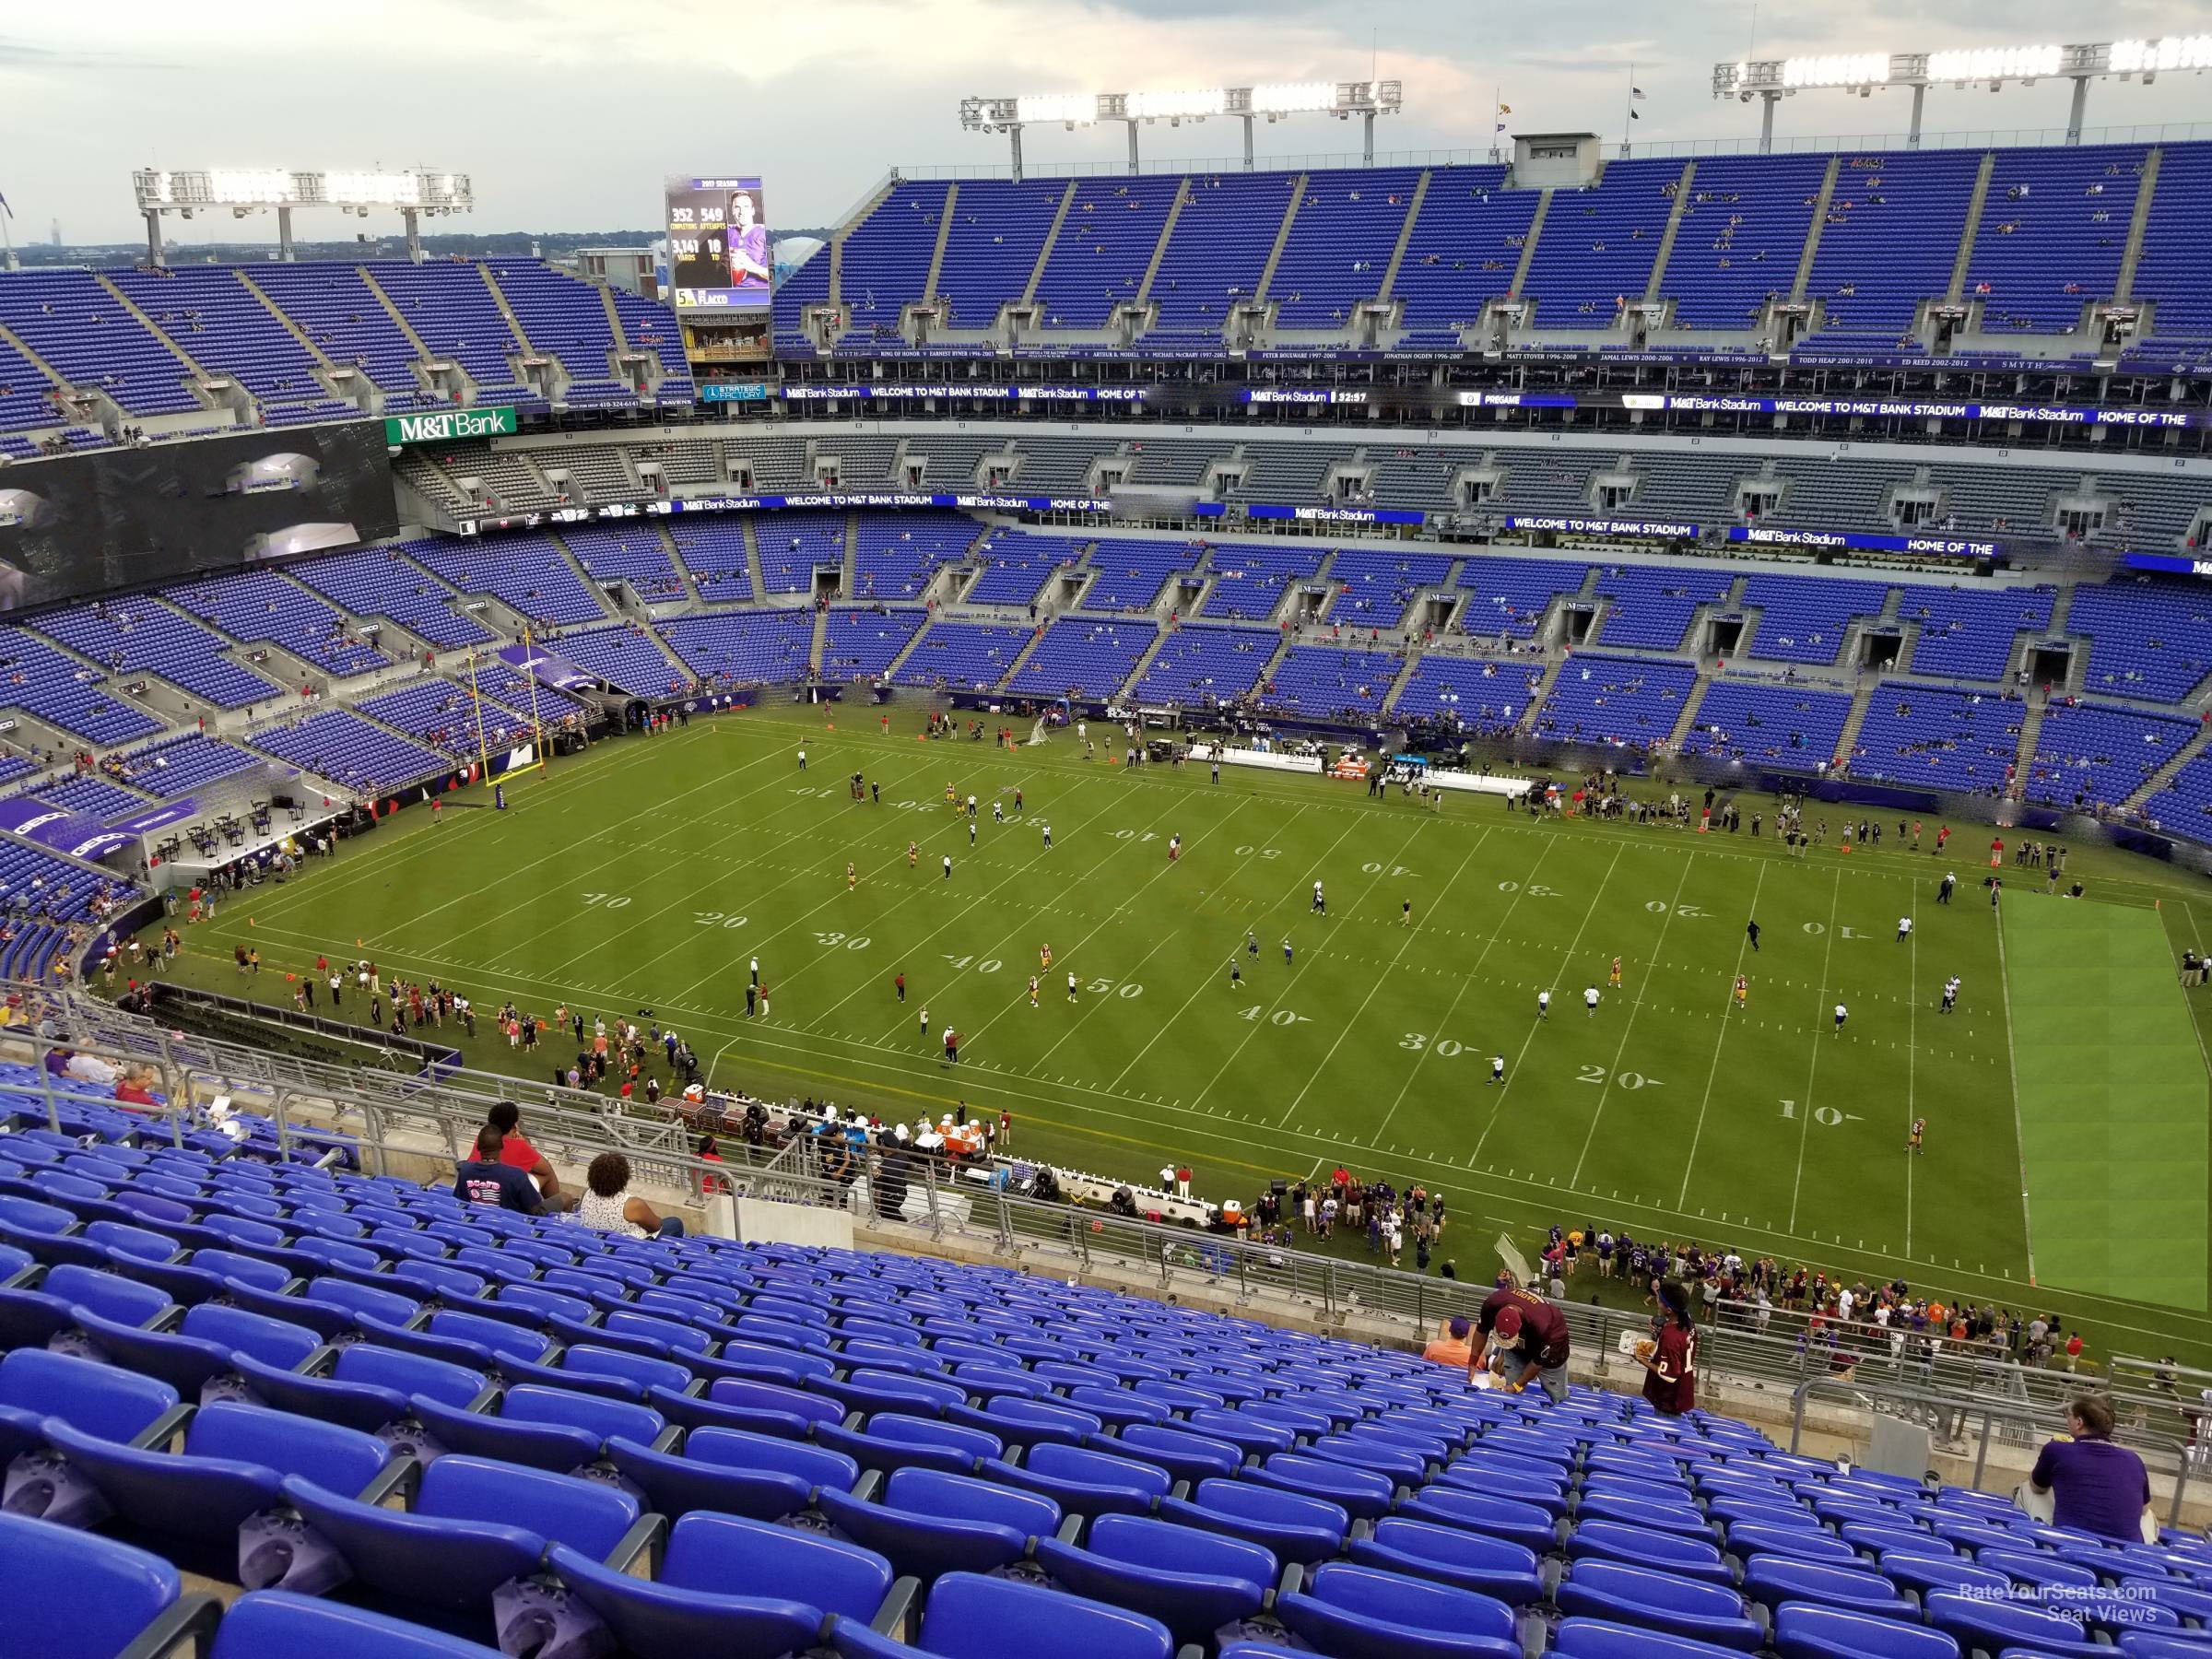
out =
column 2106, row 1605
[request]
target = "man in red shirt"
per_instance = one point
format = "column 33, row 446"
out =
column 506, row 1118
column 1530, row 1335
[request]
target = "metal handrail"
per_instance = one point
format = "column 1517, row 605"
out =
column 405, row 1117
column 2161, row 1454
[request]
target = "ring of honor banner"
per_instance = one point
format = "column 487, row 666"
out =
column 719, row 252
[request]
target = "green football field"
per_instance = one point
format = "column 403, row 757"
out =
column 2065, row 1098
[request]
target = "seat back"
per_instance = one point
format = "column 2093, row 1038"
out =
column 72, row 1595
column 715, row 1552
column 96, row 1399
column 587, row 1515
column 973, row 1617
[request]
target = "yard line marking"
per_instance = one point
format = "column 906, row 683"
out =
column 1572, row 944
column 1345, row 1029
column 1714, row 1071
column 1813, row 1066
column 1629, row 1025
column 1307, row 959
column 1205, row 982
column 1166, row 866
column 2012, row 1068
column 1912, row 1025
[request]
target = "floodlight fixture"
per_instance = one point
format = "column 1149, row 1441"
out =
column 1772, row 79
column 246, row 190
column 1271, row 102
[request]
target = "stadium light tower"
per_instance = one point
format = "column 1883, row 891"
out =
column 256, row 190
column 1772, row 79
column 1342, row 99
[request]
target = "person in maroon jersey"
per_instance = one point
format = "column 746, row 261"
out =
column 1670, row 1380
column 1530, row 1335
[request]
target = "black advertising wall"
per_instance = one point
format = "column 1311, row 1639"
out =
column 122, row 518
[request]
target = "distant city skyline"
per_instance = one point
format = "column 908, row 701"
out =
column 568, row 113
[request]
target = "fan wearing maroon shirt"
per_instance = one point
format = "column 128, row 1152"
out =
column 1531, row 1337
column 506, row 1117
column 1670, row 1380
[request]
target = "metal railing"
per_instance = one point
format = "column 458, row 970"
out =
column 1992, row 1421
column 392, row 1122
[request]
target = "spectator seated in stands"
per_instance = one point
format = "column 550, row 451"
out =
column 485, row 1179
column 2094, row 1485
column 608, row 1204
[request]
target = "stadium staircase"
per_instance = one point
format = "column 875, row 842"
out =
column 675, row 562
column 514, row 323
column 853, row 221
column 817, row 645
column 423, row 354
column 1804, row 277
column 1970, row 227
column 1021, row 658
column 2164, row 778
column 1282, row 238
column 1539, row 693
column 2147, row 188
column 1159, row 248
column 1397, row 686
column 1683, row 186
column 937, row 251
column 1847, row 743
column 1690, row 705
column 1159, row 637
column 753, row 573
column 1397, row 249
column 614, row 317
column 284, row 321
column 201, row 375
column 848, row 576
column 1528, row 245
column 1051, row 241
column 2031, row 731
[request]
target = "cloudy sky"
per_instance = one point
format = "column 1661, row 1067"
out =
column 568, row 112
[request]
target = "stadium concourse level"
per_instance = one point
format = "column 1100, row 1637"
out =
column 190, row 350
column 388, row 1423
column 2026, row 241
column 1905, row 680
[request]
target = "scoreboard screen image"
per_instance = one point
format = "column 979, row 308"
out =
column 719, row 251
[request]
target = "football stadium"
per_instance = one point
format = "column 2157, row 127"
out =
column 1439, row 903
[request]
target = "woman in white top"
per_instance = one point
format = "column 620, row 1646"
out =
column 607, row 1206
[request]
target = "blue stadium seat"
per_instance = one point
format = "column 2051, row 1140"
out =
column 1358, row 1612
column 1296, row 1529
column 1362, row 1495
column 1192, row 1582
column 1807, row 1631
column 368, row 1386
column 459, row 1542
column 1520, row 1523
column 1083, row 1482
column 971, row 1617
column 1184, row 1455
column 72, row 1595
column 1601, row 1639
column 1452, row 1556
column 34, row 1313
column 1772, row 1580
column 686, row 1609
column 1658, row 1601
column 929, row 1524
column 98, row 1400
column 201, row 1348
column 277, row 1624
column 1977, row 1623
column 233, row 1461
column 1662, row 1552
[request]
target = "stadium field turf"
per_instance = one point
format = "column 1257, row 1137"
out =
column 2111, row 1092
column 648, row 873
